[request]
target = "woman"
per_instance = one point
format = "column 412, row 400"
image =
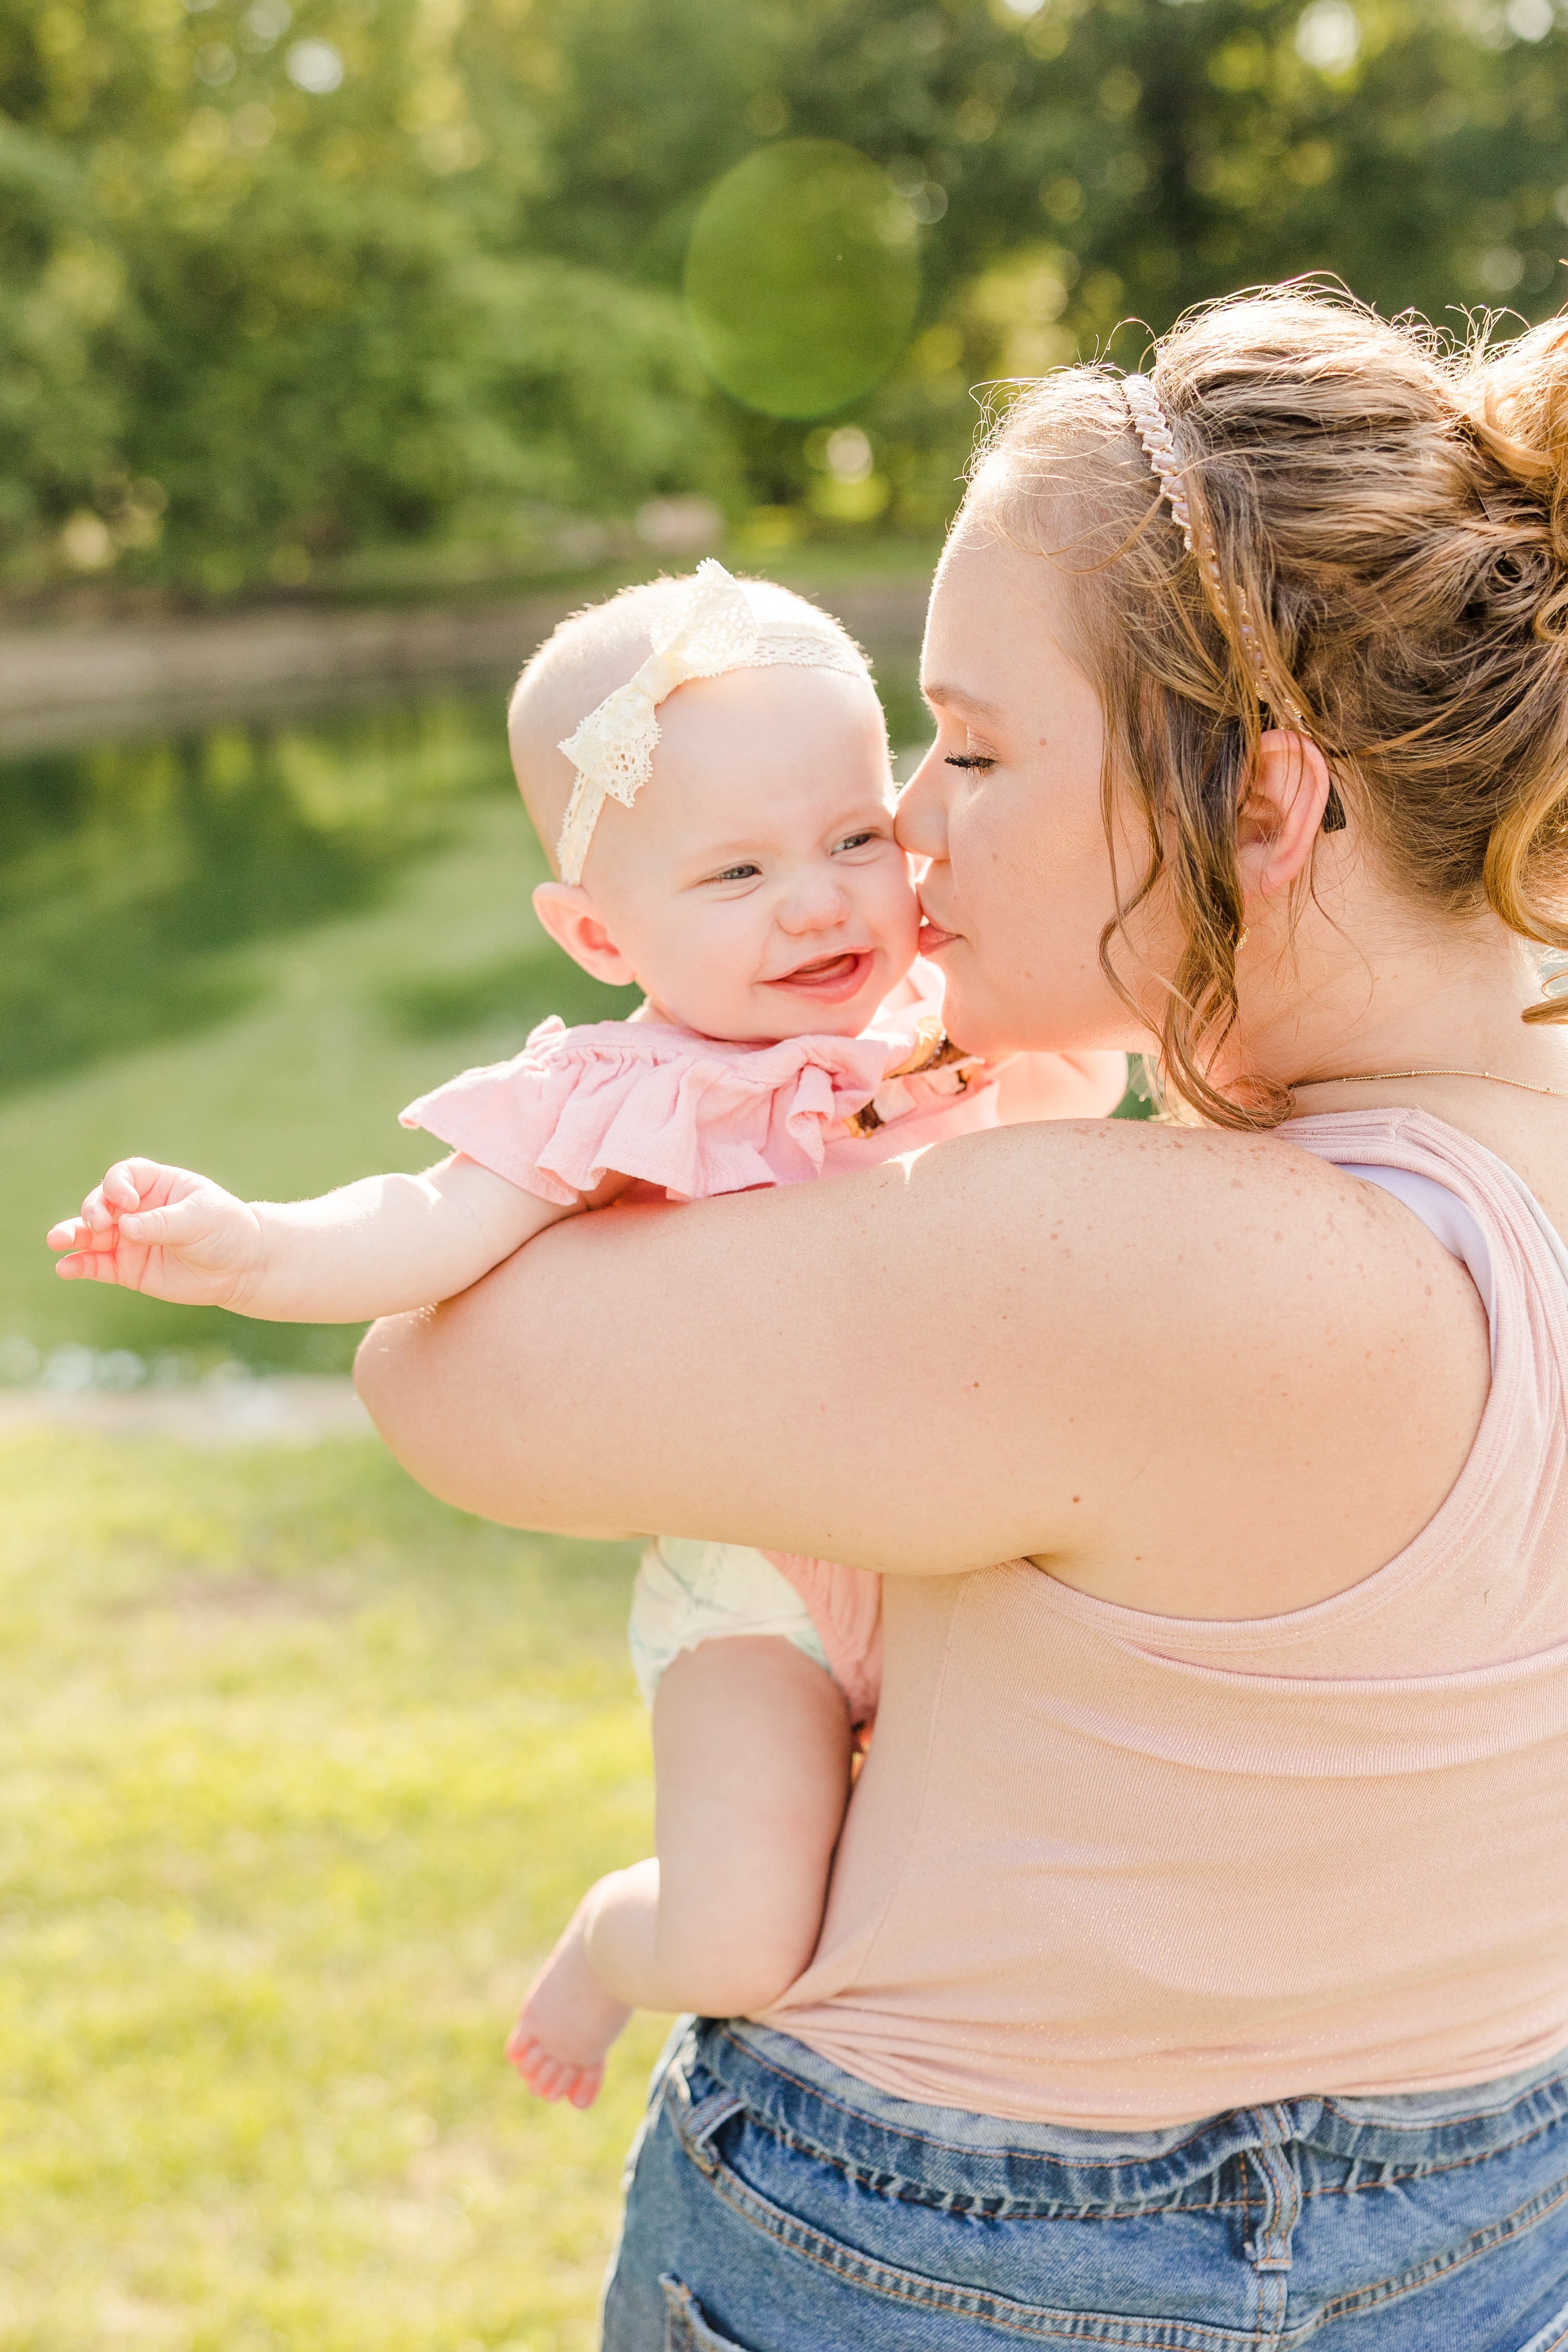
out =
column 1194, row 1972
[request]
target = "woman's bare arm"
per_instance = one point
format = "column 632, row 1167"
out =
column 1176, row 1366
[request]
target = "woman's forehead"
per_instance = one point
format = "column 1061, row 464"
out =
column 995, row 628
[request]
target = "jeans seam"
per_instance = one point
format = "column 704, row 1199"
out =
column 1476, row 2115
column 951, row 2148
column 907, row 2192
column 934, row 2294
column 1023, row 2209
column 1432, row 2172
column 894, row 2186
column 1514, row 2225
column 1111, row 2165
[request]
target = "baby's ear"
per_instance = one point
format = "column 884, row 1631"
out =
column 575, row 923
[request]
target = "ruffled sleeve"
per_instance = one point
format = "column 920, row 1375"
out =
column 660, row 1104
column 844, row 1604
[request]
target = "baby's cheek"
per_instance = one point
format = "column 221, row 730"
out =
column 720, row 956
column 900, row 907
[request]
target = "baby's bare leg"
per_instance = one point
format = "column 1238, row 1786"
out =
column 751, row 1760
column 751, row 1752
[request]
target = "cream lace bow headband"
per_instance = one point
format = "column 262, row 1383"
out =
column 709, row 629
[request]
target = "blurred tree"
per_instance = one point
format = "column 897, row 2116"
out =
column 276, row 287
column 244, row 325
column 1081, row 161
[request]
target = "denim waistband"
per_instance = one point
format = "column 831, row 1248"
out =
column 989, row 2163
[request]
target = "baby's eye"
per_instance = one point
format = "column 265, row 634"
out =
column 855, row 840
column 736, row 874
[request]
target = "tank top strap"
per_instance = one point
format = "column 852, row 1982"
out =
column 1494, row 1193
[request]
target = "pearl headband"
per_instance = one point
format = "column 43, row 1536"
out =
column 710, row 629
column 1152, row 428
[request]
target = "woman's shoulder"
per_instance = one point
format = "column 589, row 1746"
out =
column 1202, row 1253
column 1198, row 1373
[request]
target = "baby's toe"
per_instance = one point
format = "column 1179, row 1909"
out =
column 547, row 2078
column 586, row 2088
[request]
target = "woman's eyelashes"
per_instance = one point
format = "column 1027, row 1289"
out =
column 980, row 759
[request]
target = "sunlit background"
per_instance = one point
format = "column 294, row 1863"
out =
column 350, row 301
column 365, row 294
column 332, row 324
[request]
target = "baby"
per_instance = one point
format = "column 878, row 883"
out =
column 758, row 898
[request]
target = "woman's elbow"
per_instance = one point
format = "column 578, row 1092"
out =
column 434, row 1422
column 392, row 1375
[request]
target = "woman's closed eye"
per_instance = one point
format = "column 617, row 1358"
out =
column 981, row 760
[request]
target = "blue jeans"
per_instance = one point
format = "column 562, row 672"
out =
column 776, row 2204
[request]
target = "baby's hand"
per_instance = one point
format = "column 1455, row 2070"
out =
column 165, row 1231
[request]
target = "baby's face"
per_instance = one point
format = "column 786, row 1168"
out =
column 754, row 889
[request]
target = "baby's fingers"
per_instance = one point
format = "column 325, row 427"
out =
column 96, row 1216
column 129, row 1181
column 176, row 1227
column 71, row 1233
column 89, row 1265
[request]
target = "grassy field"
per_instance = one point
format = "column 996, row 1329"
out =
column 300, row 1773
column 310, row 931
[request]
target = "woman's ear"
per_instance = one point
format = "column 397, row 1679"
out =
column 1281, row 811
column 575, row 923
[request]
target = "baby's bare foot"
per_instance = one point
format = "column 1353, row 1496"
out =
column 567, row 2024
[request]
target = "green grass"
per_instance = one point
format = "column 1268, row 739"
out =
column 300, row 1774
column 343, row 1020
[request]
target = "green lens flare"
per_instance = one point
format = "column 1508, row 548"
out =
column 803, row 277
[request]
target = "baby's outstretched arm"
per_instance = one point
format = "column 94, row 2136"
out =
column 751, row 1749
column 382, row 1246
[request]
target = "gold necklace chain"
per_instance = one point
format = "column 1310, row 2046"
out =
column 1376, row 1077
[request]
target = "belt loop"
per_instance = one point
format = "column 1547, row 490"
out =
column 1268, row 2248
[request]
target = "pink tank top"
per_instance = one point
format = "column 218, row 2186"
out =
column 1116, row 1870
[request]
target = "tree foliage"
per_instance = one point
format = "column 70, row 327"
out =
column 275, row 289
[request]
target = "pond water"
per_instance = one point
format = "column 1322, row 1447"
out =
column 241, row 949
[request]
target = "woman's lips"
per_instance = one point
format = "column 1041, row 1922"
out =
column 933, row 938
column 829, row 979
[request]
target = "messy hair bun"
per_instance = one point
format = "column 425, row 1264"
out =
column 1392, row 516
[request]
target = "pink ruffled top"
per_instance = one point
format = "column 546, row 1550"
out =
column 697, row 1116
column 844, row 1604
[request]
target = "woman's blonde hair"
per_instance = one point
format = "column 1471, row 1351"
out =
column 1391, row 517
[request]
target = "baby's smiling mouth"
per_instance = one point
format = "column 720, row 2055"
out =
column 831, row 978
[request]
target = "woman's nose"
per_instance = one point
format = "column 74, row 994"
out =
column 920, row 826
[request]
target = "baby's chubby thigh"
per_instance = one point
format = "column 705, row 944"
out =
column 751, row 1754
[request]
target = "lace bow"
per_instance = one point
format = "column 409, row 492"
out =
column 711, row 629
